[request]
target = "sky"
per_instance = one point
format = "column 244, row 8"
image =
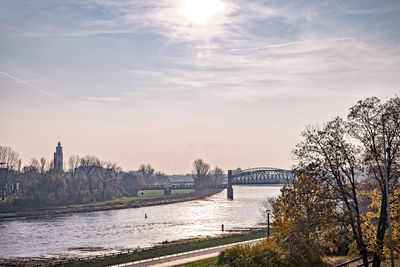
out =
column 166, row 82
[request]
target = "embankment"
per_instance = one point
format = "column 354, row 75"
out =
column 93, row 207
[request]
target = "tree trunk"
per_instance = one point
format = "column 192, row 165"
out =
column 380, row 235
column 365, row 258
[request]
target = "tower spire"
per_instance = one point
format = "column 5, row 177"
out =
column 58, row 159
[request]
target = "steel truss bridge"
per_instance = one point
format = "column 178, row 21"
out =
column 263, row 175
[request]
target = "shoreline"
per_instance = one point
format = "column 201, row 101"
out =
column 159, row 249
column 91, row 207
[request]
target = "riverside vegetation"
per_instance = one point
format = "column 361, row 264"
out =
column 88, row 182
column 337, row 206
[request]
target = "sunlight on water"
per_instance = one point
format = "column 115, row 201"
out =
column 121, row 229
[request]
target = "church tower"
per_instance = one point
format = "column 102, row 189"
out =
column 58, row 159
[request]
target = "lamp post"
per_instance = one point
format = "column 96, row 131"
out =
column 387, row 187
column 268, row 211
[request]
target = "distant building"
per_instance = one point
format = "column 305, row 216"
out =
column 58, row 159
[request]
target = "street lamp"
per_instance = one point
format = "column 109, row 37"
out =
column 268, row 212
column 387, row 186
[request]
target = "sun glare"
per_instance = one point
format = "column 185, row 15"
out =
column 201, row 11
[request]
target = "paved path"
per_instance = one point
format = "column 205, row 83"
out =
column 185, row 257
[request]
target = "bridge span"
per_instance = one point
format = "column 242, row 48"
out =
column 264, row 175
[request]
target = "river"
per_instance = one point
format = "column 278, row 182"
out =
column 91, row 233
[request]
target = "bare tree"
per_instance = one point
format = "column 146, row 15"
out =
column 147, row 172
column 217, row 175
column 75, row 183
column 34, row 164
column 106, row 173
column 88, row 164
column 130, row 183
column 201, row 173
column 9, row 156
column 12, row 160
column 74, row 162
column 42, row 164
column 161, row 178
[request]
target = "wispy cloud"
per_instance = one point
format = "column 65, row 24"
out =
column 293, row 69
column 102, row 99
column 256, row 64
column 250, row 50
column 228, row 58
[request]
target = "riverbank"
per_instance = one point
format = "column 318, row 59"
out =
column 113, row 205
column 162, row 249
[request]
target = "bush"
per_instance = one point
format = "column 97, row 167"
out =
column 266, row 253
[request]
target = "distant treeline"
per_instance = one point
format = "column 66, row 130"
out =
column 86, row 179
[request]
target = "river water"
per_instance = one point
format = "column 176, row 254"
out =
column 99, row 232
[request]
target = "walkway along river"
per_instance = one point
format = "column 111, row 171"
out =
column 99, row 232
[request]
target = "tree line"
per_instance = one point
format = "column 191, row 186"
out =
column 338, row 204
column 85, row 179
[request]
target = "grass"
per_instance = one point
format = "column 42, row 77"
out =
column 331, row 261
column 211, row 262
column 167, row 250
column 147, row 194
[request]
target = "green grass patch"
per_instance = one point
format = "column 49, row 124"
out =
column 147, row 194
column 160, row 193
column 211, row 262
column 182, row 191
column 173, row 248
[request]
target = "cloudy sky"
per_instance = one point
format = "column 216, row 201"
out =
column 166, row 82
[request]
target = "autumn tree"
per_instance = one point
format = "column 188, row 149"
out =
column 346, row 154
column 265, row 253
column 365, row 126
column 326, row 154
column 305, row 220
column 371, row 219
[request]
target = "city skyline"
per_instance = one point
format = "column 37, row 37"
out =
column 233, row 83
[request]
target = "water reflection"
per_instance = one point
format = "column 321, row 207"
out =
column 128, row 228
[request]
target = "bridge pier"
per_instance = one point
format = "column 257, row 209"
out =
column 167, row 191
column 230, row 189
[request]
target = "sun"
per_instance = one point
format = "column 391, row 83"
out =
column 201, row 11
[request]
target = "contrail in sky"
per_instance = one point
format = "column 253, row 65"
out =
column 37, row 88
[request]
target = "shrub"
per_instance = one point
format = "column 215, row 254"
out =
column 266, row 253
